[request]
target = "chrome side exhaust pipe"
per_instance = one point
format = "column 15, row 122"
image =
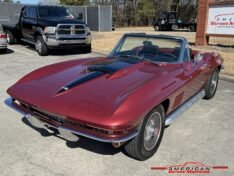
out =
column 117, row 144
column 174, row 115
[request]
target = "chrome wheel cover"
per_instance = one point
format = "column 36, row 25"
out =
column 152, row 131
column 39, row 46
column 214, row 82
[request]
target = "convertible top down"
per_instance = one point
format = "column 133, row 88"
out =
column 126, row 98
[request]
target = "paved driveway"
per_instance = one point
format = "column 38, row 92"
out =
column 205, row 133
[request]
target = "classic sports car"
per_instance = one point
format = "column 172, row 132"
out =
column 127, row 98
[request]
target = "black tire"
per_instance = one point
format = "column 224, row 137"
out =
column 3, row 51
column 174, row 27
column 136, row 148
column 87, row 49
column 156, row 28
column 211, row 85
column 191, row 28
column 41, row 47
column 10, row 38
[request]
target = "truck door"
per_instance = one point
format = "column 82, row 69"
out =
column 28, row 22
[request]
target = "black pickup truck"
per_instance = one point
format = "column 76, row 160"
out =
column 172, row 21
column 49, row 27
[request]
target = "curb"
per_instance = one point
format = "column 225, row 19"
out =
column 226, row 78
column 103, row 53
column 221, row 76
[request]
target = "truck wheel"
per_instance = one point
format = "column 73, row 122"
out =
column 156, row 28
column 88, row 49
column 5, row 50
column 211, row 85
column 146, row 143
column 10, row 37
column 191, row 28
column 174, row 27
column 41, row 46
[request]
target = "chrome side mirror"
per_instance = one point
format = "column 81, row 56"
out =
column 198, row 57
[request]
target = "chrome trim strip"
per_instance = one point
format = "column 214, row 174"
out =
column 123, row 139
column 175, row 114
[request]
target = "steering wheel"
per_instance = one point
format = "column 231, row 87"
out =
column 169, row 54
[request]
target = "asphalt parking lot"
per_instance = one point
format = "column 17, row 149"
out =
column 203, row 134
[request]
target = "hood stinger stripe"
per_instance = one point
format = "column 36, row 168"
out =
column 87, row 77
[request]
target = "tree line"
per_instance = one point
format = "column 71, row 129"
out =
column 141, row 12
column 137, row 12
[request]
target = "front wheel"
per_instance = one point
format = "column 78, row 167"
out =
column 156, row 28
column 191, row 28
column 146, row 143
column 88, row 49
column 174, row 27
column 212, row 84
column 41, row 47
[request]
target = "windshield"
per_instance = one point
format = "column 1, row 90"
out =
column 156, row 49
column 54, row 12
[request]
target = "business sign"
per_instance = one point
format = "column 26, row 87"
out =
column 221, row 20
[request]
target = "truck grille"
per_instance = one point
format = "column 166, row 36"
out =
column 70, row 29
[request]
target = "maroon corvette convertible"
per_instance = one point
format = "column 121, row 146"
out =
column 126, row 99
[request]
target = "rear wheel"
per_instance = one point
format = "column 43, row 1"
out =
column 146, row 143
column 41, row 47
column 211, row 85
column 10, row 38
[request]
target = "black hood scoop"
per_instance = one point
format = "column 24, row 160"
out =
column 109, row 66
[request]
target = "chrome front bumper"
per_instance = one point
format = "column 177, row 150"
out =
column 3, row 46
column 71, row 135
column 53, row 41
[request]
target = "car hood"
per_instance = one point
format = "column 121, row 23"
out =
column 84, row 88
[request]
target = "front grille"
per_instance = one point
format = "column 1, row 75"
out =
column 61, row 121
column 54, row 119
column 70, row 29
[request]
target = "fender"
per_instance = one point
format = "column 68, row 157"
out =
column 39, row 31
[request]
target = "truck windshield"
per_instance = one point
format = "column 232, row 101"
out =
column 54, row 12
